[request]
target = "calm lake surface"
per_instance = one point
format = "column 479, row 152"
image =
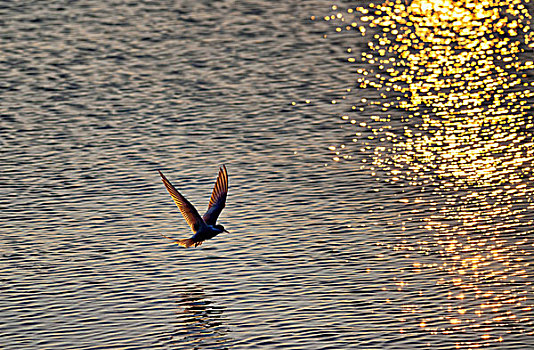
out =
column 381, row 163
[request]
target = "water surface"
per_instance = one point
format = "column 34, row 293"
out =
column 380, row 160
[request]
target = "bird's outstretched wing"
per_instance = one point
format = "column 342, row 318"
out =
column 189, row 212
column 218, row 197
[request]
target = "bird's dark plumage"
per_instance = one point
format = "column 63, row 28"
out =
column 218, row 197
column 203, row 227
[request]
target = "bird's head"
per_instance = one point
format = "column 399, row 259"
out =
column 221, row 228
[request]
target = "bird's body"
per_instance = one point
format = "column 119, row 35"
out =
column 204, row 227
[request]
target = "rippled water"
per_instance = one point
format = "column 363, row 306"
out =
column 381, row 174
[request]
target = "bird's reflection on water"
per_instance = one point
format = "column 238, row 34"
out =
column 199, row 323
column 452, row 121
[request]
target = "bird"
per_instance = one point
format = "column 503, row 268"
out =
column 204, row 227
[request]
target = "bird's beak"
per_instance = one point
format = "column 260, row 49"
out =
column 226, row 231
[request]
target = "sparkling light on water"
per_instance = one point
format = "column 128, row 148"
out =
column 450, row 116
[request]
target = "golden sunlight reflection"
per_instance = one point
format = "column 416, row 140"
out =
column 452, row 117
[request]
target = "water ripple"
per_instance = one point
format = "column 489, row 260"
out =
column 416, row 235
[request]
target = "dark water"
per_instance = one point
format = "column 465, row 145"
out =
column 381, row 174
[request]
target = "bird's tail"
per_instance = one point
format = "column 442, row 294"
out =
column 188, row 242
